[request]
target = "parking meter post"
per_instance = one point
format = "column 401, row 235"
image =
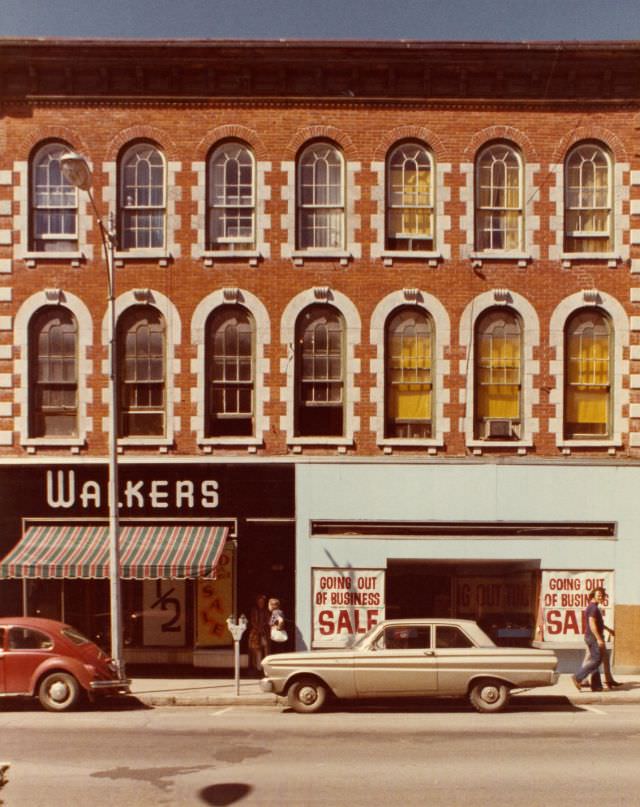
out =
column 236, row 629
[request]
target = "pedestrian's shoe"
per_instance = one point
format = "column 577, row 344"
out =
column 596, row 689
column 577, row 683
column 613, row 684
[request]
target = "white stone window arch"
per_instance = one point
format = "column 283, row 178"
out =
column 262, row 337
column 322, row 296
column 24, row 317
column 173, row 330
column 441, row 339
column 619, row 324
column 530, row 339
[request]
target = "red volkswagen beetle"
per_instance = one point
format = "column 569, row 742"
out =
column 53, row 662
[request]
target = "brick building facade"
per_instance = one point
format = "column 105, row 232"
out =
column 383, row 295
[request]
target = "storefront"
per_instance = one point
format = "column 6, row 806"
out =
column 197, row 541
column 515, row 547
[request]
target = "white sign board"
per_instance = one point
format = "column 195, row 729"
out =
column 163, row 613
column 346, row 603
column 564, row 597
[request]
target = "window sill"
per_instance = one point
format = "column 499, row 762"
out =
column 320, row 441
column 595, row 443
column 211, row 256
column 522, row 258
column 53, row 442
column 143, row 255
column 410, row 442
column 300, row 256
column 389, row 256
column 144, row 442
column 515, row 444
column 34, row 257
column 230, row 441
column 568, row 257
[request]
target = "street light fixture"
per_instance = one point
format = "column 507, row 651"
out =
column 75, row 169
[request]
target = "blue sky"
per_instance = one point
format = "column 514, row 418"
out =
column 324, row 19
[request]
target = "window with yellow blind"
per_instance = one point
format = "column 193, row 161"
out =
column 588, row 374
column 499, row 199
column 409, row 375
column 587, row 210
column 498, row 375
column 410, row 198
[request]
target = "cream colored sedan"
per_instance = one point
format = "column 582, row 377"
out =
column 411, row 658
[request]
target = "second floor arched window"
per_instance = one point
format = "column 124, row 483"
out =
column 53, row 371
column 141, row 373
column 498, row 375
column 319, row 373
column 499, row 225
column 320, row 198
column 231, row 198
column 587, row 375
column 409, row 375
column 230, row 373
column 142, row 198
column 410, row 198
column 588, row 199
column 54, row 203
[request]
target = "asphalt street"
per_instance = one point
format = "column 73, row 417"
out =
column 430, row 753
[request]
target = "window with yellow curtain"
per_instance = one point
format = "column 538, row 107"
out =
column 409, row 388
column 588, row 373
column 410, row 198
column 499, row 199
column 588, row 200
column 498, row 376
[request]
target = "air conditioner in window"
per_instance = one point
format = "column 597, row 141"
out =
column 501, row 429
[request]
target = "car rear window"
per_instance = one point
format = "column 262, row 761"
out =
column 450, row 636
column 74, row 636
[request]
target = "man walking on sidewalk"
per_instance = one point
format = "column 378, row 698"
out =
column 594, row 638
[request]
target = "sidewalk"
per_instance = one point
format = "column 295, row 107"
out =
column 221, row 691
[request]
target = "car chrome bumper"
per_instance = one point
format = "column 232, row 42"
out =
column 266, row 685
column 121, row 687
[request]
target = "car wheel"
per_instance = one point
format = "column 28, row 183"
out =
column 489, row 696
column 307, row 695
column 58, row 692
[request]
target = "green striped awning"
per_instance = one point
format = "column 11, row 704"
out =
column 147, row 552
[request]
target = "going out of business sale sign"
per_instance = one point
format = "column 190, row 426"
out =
column 346, row 603
column 564, row 596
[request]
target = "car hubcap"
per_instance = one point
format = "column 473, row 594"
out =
column 58, row 692
column 490, row 694
column 307, row 695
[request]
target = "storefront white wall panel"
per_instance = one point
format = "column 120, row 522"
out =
column 478, row 492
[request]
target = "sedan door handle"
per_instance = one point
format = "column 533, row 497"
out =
column 429, row 652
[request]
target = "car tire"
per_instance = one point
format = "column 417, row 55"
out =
column 307, row 695
column 59, row 692
column 489, row 696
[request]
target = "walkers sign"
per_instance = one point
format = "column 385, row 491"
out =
column 564, row 597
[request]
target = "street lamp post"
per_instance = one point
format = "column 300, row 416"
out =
column 75, row 169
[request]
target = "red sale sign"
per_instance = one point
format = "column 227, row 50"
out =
column 346, row 604
column 564, row 597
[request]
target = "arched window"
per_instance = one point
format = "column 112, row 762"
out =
column 588, row 375
column 320, row 198
column 409, row 375
column 142, row 198
column 53, row 388
column 141, row 371
column 588, row 200
column 230, row 373
column 499, row 199
column 498, row 375
column 231, row 198
column 54, row 203
column 320, row 372
column 410, row 198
